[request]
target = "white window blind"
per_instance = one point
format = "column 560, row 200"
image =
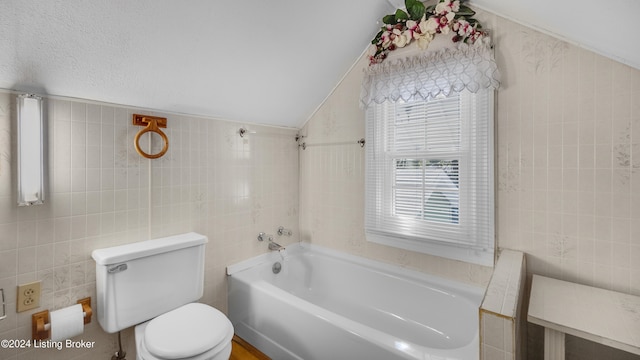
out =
column 429, row 175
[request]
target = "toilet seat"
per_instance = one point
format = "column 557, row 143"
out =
column 193, row 331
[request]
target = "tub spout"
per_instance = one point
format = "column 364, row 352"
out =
column 275, row 246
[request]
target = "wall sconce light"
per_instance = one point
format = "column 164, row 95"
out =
column 30, row 150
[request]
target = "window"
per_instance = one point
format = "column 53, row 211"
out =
column 429, row 176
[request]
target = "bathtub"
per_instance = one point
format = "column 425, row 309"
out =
column 325, row 304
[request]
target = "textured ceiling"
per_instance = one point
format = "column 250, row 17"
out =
column 254, row 61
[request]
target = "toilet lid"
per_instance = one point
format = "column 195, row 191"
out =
column 186, row 331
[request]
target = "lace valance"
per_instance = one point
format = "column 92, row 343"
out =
column 430, row 74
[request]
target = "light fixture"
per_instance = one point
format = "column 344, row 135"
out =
column 30, row 150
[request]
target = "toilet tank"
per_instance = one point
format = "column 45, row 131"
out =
column 139, row 281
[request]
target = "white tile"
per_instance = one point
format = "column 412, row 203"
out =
column 62, row 226
column 78, row 227
column 61, row 180
column 78, row 180
column 94, row 114
column 493, row 331
column 78, row 203
column 26, row 260
column 44, row 257
column 107, row 201
column 78, row 134
column 45, row 231
column 107, row 179
column 93, row 177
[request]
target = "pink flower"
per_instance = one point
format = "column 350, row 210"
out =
column 444, row 22
column 441, row 20
column 411, row 24
column 475, row 35
column 428, row 26
column 401, row 39
column 462, row 27
column 455, row 6
column 424, row 40
column 413, row 30
column 385, row 39
column 447, row 6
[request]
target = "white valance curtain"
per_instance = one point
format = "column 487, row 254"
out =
column 430, row 74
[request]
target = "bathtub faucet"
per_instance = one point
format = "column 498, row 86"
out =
column 274, row 245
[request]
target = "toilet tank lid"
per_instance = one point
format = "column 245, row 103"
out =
column 118, row 254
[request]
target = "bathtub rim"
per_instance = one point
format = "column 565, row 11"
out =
column 473, row 292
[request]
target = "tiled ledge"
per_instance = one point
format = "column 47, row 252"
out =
column 506, row 282
column 500, row 311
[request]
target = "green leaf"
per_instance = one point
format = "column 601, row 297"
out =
column 401, row 15
column 390, row 19
column 430, row 9
column 377, row 38
column 465, row 11
column 416, row 9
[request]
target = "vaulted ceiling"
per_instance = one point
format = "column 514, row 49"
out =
column 605, row 27
column 267, row 62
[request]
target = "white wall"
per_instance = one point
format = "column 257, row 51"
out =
column 102, row 193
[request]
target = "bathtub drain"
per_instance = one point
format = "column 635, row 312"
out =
column 276, row 267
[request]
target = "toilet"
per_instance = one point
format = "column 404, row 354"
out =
column 154, row 285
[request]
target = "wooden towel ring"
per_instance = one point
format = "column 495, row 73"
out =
column 153, row 124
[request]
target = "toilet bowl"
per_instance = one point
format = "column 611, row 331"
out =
column 191, row 332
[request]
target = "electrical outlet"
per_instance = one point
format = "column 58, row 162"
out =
column 28, row 296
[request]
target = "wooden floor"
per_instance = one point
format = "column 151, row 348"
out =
column 242, row 350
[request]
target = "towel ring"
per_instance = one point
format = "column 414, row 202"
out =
column 153, row 124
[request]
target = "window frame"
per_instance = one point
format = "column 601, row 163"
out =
column 439, row 242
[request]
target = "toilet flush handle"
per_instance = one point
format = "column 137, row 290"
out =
column 116, row 268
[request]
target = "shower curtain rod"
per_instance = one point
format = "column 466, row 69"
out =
column 244, row 132
column 360, row 142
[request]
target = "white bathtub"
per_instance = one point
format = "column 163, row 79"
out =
column 329, row 305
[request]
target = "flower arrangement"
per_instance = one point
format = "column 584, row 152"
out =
column 421, row 24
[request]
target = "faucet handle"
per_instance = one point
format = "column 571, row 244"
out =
column 264, row 236
column 283, row 231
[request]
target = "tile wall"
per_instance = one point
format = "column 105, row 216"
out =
column 102, row 193
column 568, row 161
column 568, row 167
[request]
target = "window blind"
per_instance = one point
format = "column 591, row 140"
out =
column 429, row 175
